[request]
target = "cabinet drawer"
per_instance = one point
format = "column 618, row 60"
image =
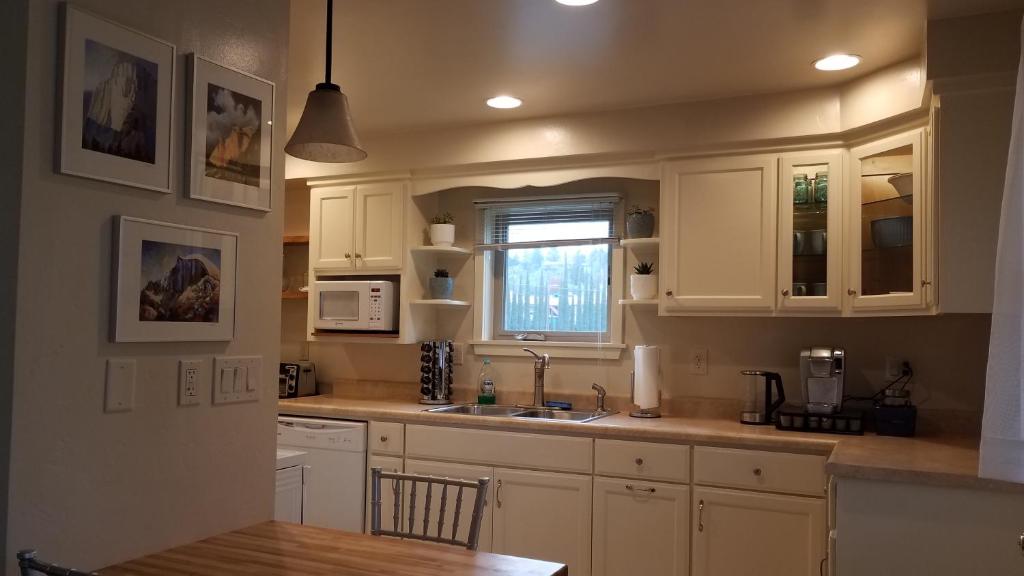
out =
column 773, row 471
column 645, row 460
column 537, row 451
column 387, row 438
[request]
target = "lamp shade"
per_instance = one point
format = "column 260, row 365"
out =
column 325, row 132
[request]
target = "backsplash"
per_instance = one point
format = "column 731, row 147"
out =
column 948, row 354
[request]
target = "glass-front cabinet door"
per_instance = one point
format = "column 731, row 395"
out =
column 886, row 227
column 810, row 230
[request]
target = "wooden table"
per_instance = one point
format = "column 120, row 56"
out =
column 280, row 548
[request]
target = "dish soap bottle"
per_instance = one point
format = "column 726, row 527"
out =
column 486, row 395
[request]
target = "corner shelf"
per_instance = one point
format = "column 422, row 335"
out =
column 295, row 240
column 442, row 250
column 647, row 244
column 443, row 303
column 632, row 302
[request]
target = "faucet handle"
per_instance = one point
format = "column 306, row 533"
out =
column 542, row 358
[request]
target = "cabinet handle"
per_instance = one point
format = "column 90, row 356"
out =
column 639, row 461
column 758, row 472
column 785, row 292
column 851, row 292
column 1020, row 543
column 700, row 516
column 383, row 439
column 632, row 488
column 497, row 495
column 668, row 292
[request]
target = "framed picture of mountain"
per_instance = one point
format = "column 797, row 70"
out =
column 116, row 112
column 230, row 135
column 174, row 283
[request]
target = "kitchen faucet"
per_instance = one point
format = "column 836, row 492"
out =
column 540, row 364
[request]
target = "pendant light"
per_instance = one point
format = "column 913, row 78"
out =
column 325, row 132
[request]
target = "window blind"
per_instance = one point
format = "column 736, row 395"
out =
column 500, row 220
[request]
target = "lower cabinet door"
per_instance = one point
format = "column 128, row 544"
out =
column 640, row 528
column 737, row 532
column 288, row 495
column 387, row 495
column 545, row 516
column 449, row 470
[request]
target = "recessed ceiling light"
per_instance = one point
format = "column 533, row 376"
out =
column 504, row 102
column 837, row 62
column 576, row 2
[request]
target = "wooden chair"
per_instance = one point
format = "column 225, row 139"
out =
column 31, row 566
column 402, row 530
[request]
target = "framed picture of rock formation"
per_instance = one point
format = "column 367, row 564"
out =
column 174, row 283
column 230, row 135
column 117, row 101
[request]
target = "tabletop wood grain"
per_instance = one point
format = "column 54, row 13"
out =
column 280, row 548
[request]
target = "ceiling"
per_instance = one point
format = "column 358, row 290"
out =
column 416, row 64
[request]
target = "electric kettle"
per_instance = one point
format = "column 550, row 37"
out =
column 758, row 407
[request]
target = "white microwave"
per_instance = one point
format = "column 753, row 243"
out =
column 354, row 305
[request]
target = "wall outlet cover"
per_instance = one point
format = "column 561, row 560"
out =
column 119, row 393
column 458, row 354
column 699, row 361
column 189, row 374
column 893, row 367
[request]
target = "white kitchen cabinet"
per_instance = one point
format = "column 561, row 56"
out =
column 543, row 515
column 464, row 472
column 887, row 226
column 331, row 235
column 289, row 495
column 718, row 222
column 387, row 495
column 357, row 227
column 640, row 528
column 737, row 532
column 810, row 232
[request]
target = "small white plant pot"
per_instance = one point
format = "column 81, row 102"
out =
column 442, row 234
column 643, row 286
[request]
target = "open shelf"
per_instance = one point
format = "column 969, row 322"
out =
column 448, row 303
column 294, row 295
column 295, row 240
column 442, row 250
column 632, row 302
column 640, row 243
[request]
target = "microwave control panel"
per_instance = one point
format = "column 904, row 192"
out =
column 376, row 307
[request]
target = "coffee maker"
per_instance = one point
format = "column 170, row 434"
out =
column 822, row 371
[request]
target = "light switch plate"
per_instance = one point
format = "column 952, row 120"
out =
column 189, row 373
column 458, row 354
column 236, row 379
column 119, row 394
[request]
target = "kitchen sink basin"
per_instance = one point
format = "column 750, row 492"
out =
column 520, row 412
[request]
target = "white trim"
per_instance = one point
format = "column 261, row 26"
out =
column 583, row 350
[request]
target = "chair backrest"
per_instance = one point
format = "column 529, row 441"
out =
column 420, row 530
column 32, row 566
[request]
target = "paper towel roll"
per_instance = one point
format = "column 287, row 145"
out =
column 647, row 376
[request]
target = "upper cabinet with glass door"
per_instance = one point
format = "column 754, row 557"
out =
column 886, row 225
column 810, row 230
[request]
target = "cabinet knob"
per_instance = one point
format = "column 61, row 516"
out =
column 639, row 461
column 1020, row 543
column 926, row 282
column 758, row 472
column 358, row 255
column 384, row 439
column 668, row 292
column 851, row 292
column 785, row 292
column 348, row 255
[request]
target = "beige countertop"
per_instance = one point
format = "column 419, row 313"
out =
column 939, row 460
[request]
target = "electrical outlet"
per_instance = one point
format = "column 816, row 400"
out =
column 188, row 382
column 699, row 361
column 893, row 367
column 458, row 354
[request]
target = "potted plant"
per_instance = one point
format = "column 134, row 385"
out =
column 639, row 222
column 643, row 285
column 442, row 230
column 441, row 285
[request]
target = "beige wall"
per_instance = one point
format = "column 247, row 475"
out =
column 89, row 488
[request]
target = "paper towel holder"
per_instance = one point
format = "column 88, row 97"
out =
column 642, row 412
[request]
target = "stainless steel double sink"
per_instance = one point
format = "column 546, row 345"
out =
column 529, row 412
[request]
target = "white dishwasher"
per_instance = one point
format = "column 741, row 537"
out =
column 336, row 469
